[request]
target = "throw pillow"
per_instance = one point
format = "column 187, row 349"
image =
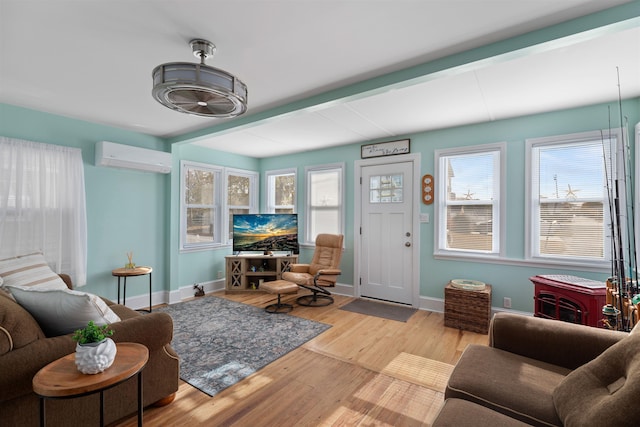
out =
column 604, row 391
column 29, row 270
column 17, row 327
column 62, row 311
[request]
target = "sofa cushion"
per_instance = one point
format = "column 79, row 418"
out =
column 462, row 413
column 17, row 327
column 603, row 391
column 62, row 311
column 517, row 386
column 28, row 271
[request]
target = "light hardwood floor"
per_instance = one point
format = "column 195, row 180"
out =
column 364, row 371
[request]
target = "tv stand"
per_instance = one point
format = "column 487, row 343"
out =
column 245, row 273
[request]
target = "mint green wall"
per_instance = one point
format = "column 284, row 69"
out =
column 139, row 212
column 126, row 210
column 510, row 280
column 188, row 268
column 507, row 278
column 343, row 154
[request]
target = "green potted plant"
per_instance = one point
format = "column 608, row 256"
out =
column 95, row 351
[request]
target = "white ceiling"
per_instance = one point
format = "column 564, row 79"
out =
column 92, row 60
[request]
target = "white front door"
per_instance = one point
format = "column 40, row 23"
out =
column 386, row 239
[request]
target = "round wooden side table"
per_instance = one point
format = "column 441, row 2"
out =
column 61, row 379
column 129, row 272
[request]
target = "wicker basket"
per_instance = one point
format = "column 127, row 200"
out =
column 468, row 310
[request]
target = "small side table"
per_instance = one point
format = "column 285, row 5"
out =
column 61, row 379
column 128, row 272
column 467, row 309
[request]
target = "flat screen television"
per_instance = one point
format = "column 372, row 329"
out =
column 265, row 233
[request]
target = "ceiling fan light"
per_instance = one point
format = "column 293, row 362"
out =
column 199, row 89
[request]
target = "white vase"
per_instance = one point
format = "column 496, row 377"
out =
column 93, row 358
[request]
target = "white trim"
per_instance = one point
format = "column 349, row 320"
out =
column 531, row 226
column 500, row 148
column 341, row 205
column 415, row 159
column 221, row 206
column 436, row 305
column 217, row 205
column 254, row 178
column 270, row 195
column 602, row 267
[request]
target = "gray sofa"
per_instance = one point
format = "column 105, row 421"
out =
column 545, row 373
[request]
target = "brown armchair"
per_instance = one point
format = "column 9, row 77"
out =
column 322, row 272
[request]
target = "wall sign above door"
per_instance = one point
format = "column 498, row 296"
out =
column 381, row 149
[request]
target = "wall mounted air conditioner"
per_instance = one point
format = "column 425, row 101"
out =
column 110, row 154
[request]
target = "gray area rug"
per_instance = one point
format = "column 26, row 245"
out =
column 380, row 309
column 221, row 342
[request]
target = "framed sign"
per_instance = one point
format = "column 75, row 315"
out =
column 380, row 149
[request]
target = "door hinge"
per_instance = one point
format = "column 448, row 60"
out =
column 361, row 230
column 360, row 180
column 360, row 281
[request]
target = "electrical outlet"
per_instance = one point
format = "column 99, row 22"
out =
column 220, row 274
column 507, row 302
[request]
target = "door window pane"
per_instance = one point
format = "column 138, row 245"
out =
column 385, row 189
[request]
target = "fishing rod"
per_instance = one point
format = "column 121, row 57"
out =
column 633, row 260
column 609, row 201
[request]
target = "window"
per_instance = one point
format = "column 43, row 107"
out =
column 42, row 205
column 242, row 195
column 325, row 204
column 281, row 191
column 568, row 204
column 470, row 203
column 207, row 209
column 201, row 205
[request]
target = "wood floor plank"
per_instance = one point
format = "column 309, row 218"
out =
column 363, row 371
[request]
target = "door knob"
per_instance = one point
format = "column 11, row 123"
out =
column 408, row 244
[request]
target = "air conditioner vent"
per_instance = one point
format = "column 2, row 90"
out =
column 110, row 154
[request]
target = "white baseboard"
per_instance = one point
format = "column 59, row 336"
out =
column 344, row 290
column 171, row 297
column 185, row 292
column 437, row 305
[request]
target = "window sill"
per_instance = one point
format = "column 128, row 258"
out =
column 594, row 267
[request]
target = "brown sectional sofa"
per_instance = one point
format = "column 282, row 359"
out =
column 30, row 350
column 545, row 373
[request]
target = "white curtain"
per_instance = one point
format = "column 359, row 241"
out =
column 42, row 205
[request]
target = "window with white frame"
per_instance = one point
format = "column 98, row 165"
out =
column 210, row 196
column 201, row 206
column 470, row 202
column 242, row 194
column 43, row 205
column 281, row 191
column 325, row 200
column 567, row 197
